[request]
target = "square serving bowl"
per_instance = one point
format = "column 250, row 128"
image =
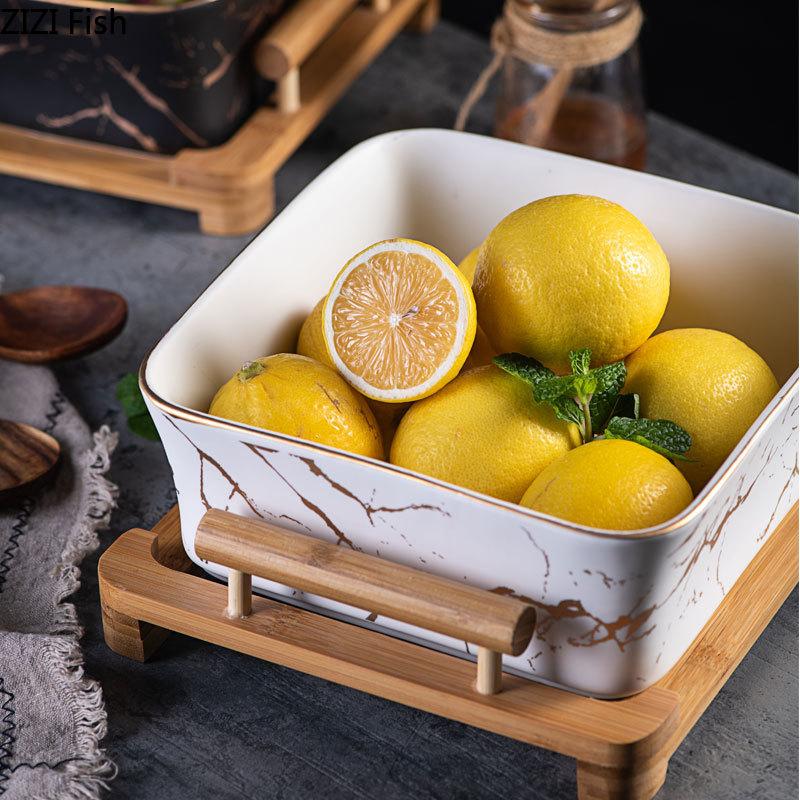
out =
column 616, row 610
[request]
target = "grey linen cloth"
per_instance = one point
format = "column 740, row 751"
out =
column 52, row 717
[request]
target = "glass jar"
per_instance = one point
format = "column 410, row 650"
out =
column 594, row 110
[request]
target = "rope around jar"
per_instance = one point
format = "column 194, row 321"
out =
column 514, row 35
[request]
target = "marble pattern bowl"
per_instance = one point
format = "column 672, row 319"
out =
column 160, row 78
column 616, row 610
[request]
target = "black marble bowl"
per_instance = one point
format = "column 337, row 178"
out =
column 153, row 78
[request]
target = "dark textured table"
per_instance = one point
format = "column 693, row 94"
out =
column 199, row 721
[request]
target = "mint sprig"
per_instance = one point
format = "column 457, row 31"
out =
column 130, row 399
column 591, row 399
column 661, row 435
column 586, row 397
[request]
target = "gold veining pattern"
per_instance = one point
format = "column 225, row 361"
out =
column 103, row 112
column 565, row 621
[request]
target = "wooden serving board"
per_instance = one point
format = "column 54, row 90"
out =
column 231, row 186
column 622, row 747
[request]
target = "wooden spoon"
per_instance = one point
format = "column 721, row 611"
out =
column 27, row 457
column 49, row 323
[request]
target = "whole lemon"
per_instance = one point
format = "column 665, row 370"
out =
column 710, row 383
column 292, row 394
column 311, row 343
column 482, row 351
column 469, row 262
column 569, row 272
column 612, row 484
column 484, row 432
column 388, row 416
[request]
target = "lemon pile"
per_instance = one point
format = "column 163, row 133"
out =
column 395, row 361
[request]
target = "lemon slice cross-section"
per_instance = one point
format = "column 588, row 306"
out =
column 399, row 320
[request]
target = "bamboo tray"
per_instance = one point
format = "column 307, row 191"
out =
column 622, row 747
column 313, row 53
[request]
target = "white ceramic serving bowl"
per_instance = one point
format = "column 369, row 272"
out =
column 615, row 610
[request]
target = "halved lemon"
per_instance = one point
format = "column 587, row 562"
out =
column 399, row 320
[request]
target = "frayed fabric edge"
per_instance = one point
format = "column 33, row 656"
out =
column 87, row 775
column 99, row 501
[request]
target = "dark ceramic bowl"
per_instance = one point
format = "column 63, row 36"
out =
column 176, row 77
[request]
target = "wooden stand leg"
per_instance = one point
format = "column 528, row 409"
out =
column 240, row 594
column 634, row 782
column 490, row 671
column 380, row 6
column 129, row 637
column 288, row 91
column 250, row 213
column 426, row 18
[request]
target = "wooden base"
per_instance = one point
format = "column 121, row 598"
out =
column 622, row 747
column 229, row 186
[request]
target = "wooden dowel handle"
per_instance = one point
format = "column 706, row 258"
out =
column 255, row 547
column 298, row 32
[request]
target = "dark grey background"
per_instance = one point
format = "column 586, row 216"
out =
column 200, row 721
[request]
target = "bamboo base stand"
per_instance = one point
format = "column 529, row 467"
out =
column 622, row 747
column 231, row 186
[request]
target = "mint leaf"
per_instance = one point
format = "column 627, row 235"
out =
column 610, row 377
column 585, row 387
column 549, row 389
column 143, row 425
column 130, row 396
column 610, row 380
column 567, row 409
column 132, row 403
column 524, row 367
column 561, row 392
column 627, row 406
column 661, row 435
column 558, row 391
column 579, row 361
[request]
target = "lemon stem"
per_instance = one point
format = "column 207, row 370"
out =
column 587, row 420
column 249, row 370
column 585, row 387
